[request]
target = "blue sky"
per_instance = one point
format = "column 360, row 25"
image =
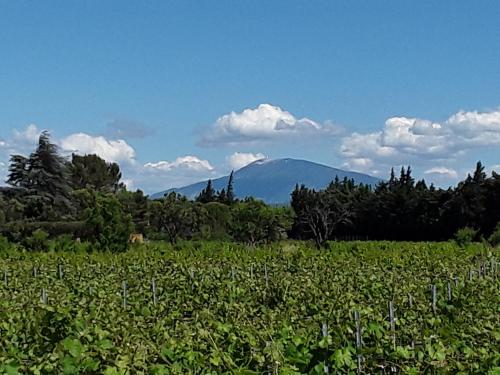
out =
column 354, row 84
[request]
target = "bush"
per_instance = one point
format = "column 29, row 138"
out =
column 4, row 244
column 255, row 222
column 38, row 241
column 494, row 239
column 109, row 227
column 465, row 236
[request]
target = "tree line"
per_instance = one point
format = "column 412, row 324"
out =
column 83, row 198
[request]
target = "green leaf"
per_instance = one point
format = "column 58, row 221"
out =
column 73, row 346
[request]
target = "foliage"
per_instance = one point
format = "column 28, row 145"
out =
column 218, row 220
column 92, row 172
column 494, row 239
column 398, row 209
column 221, row 308
column 208, row 194
column 319, row 213
column 136, row 205
column 45, row 175
column 465, row 236
column 4, row 244
column 254, row 222
column 109, row 227
column 177, row 217
column 38, row 241
column 53, row 194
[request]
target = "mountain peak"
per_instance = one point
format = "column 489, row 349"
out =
column 273, row 180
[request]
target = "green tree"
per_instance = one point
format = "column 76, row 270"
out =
column 135, row 204
column 230, row 189
column 255, row 222
column 177, row 217
column 218, row 220
column 91, row 171
column 45, row 175
column 108, row 225
column 208, row 194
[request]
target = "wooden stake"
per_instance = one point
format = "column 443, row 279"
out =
column 410, row 300
column 43, row 296
column 153, row 290
column 434, row 297
column 324, row 332
column 266, row 276
column 358, row 339
column 124, row 294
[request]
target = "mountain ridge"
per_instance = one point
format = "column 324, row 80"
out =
column 273, row 180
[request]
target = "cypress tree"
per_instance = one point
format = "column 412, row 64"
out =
column 229, row 190
column 208, row 194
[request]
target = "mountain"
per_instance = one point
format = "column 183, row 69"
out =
column 273, row 180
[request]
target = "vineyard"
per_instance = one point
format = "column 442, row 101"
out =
column 359, row 307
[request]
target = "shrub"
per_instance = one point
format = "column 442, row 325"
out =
column 4, row 244
column 494, row 239
column 109, row 227
column 465, row 236
column 38, row 241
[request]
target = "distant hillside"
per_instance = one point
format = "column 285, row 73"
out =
column 274, row 180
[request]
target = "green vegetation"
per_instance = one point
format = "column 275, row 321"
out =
column 223, row 308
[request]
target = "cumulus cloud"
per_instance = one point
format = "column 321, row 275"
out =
column 266, row 122
column 240, row 159
column 19, row 142
column 406, row 140
column 188, row 162
column 29, row 135
column 109, row 150
column 183, row 170
column 443, row 171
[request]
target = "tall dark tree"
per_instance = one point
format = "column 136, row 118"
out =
column 47, row 170
column 208, row 194
column 18, row 171
column 45, row 175
column 93, row 172
column 230, row 189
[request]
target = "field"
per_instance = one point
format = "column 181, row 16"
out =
column 360, row 307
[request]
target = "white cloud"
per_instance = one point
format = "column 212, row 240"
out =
column 240, row 159
column 443, row 171
column 29, row 135
column 476, row 128
column 109, row 150
column 129, row 183
column 405, row 140
column 262, row 123
column 188, row 162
